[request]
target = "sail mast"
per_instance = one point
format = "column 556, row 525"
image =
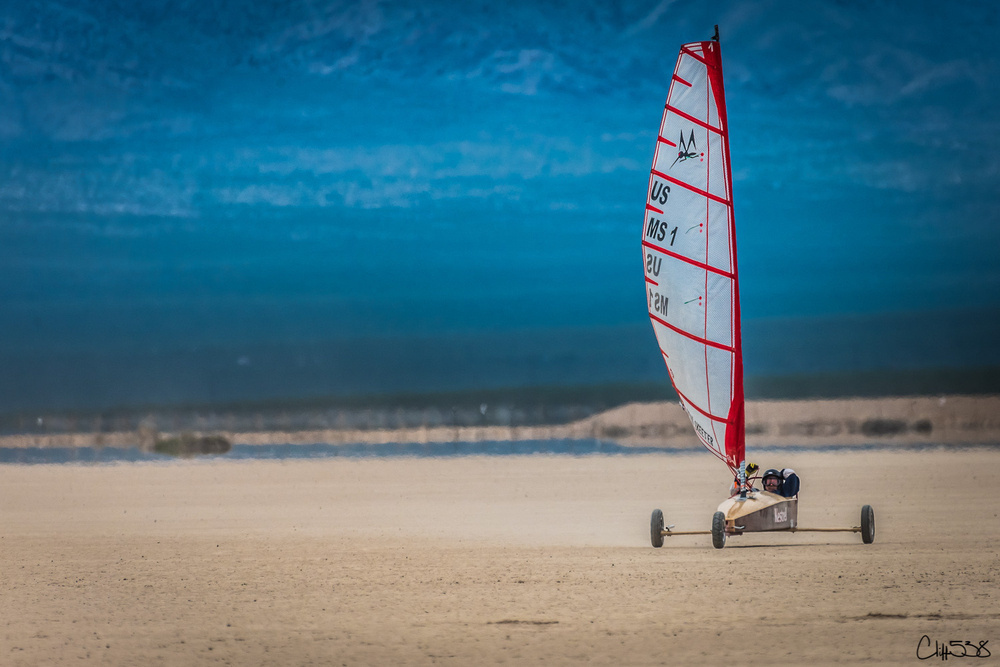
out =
column 738, row 446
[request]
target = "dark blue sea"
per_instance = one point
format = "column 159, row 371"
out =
column 157, row 371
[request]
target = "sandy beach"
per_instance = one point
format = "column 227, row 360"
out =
column 908, row 420
column 492, row 560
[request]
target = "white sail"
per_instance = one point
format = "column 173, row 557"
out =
column 689, row 253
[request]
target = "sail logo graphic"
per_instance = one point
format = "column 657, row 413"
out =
column 686, row 150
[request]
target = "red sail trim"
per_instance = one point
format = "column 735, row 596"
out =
column 736, row 434
column 666, row 141
column 707, row 446
column 694, row 55
column 651, row 281
column 687, row 260
column 686, row 334
column 719, row 455
column 650, row 207
column 688, row 186
column 707, row 414
column 680, row 80
column 696, row 121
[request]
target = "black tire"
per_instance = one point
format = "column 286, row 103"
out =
column 656, row 529
column 867, row 524
column 719, row 530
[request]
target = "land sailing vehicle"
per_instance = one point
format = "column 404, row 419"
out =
column 757, row 512
column 692, row 290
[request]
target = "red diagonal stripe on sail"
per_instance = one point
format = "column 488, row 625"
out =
column 694, row 55
column 650, row 207
column 694, row 120
column 719, row 454
column 666, row 141
column 651, row 281
column 680, row 80
column 697, row 339
column 694, row 262
column 691, row 403
column 703, row 193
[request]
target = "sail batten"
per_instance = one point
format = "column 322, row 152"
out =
column 682, row 258
column 689, row 253
column 692, row 188
column 689, row 52
column 694, row 120
column 694, row 337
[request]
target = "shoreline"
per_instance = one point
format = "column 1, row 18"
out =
column 920, row 420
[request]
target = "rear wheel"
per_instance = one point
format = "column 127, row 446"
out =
column 867, row 524
column 656, row 529
column 719, row 530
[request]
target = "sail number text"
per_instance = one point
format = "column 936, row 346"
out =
column 653, row 264
column 659, row 192
column 657, row 303
column 658, row 230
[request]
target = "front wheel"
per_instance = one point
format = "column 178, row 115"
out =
column 867, row 524
column 719, row 530
column 656, row 529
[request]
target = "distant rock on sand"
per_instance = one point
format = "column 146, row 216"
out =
column 944, row 420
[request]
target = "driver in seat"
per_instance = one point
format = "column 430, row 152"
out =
column 783, row 483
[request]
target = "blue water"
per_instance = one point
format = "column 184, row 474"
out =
column 105, row 374
column 563, row 447
column 234, row 209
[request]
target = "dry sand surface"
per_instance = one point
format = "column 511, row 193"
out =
column 491, row 560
